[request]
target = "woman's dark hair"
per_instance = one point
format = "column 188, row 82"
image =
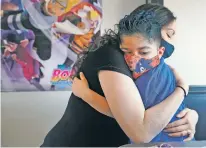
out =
column 147, row 20
column 162, row 14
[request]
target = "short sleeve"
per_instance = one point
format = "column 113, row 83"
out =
column 111, row 58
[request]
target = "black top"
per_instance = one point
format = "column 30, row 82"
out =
column 81, row 125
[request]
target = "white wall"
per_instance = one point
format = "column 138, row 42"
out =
column 27, row 117
column 114, row 10
column 190, row 53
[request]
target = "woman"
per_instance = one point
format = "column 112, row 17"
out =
column 107, row 73
column 152, row 76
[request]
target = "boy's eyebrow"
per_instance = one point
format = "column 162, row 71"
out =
column 143, row 47
column 139, row 48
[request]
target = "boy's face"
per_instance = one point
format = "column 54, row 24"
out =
column 136, row 47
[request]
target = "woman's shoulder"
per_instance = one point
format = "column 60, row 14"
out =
column 109, row 50
column 109, row 57
column 108, row 54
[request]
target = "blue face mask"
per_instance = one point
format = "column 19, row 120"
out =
column 169, row 48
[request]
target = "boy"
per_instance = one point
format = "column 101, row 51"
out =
column 153, row 77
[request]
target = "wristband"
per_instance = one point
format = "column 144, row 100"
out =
column 185, row 94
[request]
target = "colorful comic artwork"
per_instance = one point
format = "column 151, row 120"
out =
column 42, row 39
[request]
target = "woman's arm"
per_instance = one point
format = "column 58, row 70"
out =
column 95, row 100
column 127, row 108
column 100, row 104
column 182, row 127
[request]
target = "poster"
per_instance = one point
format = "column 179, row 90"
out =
column 42, row 39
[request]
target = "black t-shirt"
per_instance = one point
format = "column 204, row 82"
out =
column 81, row 125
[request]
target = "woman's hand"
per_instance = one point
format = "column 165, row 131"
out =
column 80, row 86
column 185, row 125
column 180, row 81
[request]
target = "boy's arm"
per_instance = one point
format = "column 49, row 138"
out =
column 97, row 102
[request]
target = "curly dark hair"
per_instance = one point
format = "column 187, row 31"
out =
column 146, row 20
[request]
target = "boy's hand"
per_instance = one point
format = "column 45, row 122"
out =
column 80, row 86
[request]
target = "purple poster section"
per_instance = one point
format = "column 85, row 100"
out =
column 42, row 39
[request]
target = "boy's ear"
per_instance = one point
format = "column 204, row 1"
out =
column 161, row 51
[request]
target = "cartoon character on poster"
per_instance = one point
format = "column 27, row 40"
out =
column 38, row 16
column 60, row 36
column 16, row 49
column 78, row 28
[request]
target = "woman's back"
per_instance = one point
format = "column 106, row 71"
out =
column 82, row 125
